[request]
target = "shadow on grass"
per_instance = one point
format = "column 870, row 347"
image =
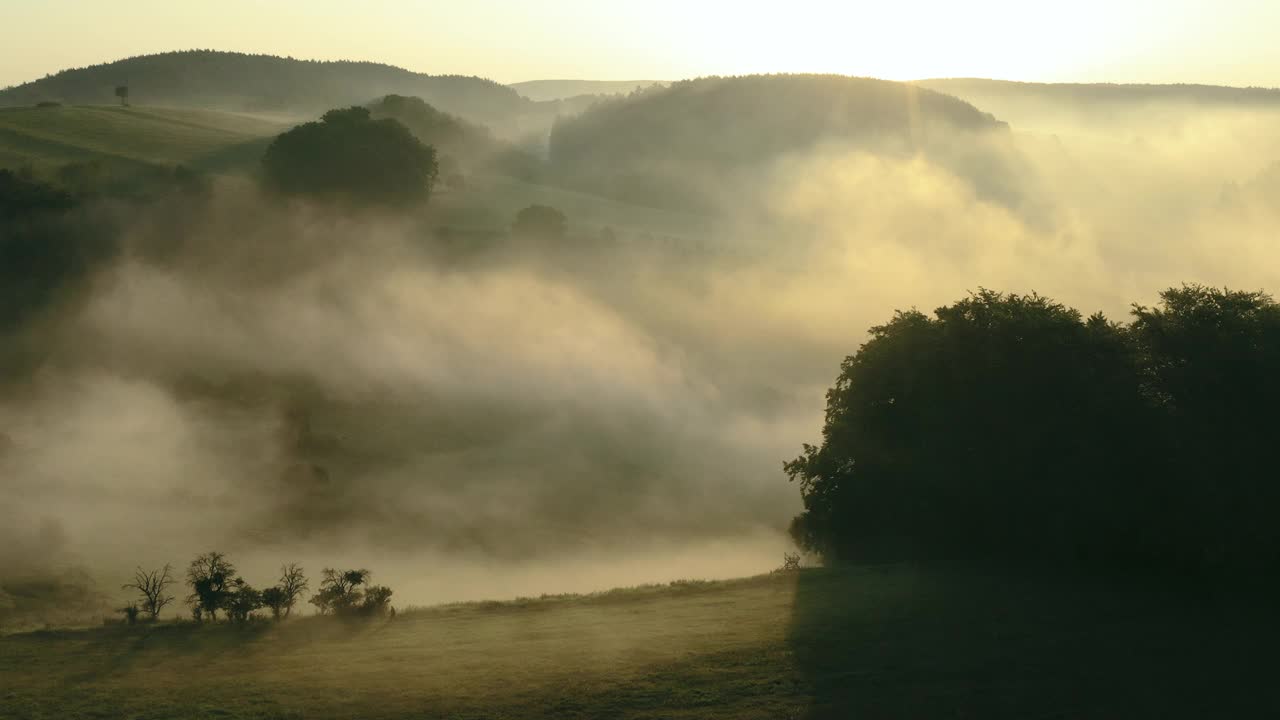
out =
column 898, row 642
column 241, row 157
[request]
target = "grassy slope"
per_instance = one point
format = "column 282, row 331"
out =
column 137, row 138
column 886, row 642
column 131, row 136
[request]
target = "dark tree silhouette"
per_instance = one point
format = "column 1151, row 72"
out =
column 292, row 583
column 241, row 600
column 130, row 613
column 274, row 599
column 210, row 576
column 348, row 155
column 281, row 598
column 541, row 222
column 152, row 585
column 1008, row 428
column 348, row 593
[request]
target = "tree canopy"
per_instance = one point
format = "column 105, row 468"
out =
column 48, row 246
column 348, row 155
column 1010, row 428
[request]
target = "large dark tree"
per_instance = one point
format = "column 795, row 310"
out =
column 349, row 156
column 1009, row 428
column 1211, row 361
column 975, row 431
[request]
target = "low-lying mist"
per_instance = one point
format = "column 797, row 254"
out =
column 292, row 382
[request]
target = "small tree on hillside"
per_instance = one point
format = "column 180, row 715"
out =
column 210, row 578
column 292, row 583
column 152, row 585
column 348, row 593
column 130, row 613
column 542, row 222
column 273, row 598
column 340, row 591
column 241, row 600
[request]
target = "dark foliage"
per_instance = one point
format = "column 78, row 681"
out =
column 241, row 601
column 130, row 613
column 347, row 593
column 467, row 146
column 541, row 222
column 211, row 579
column 48, row 246
column 349, row 155
column 1008, row 428
column 281, row 598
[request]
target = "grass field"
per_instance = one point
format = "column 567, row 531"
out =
column 132, row 136
column 870, row 643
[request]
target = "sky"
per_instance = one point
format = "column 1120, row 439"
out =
column 1227, row 42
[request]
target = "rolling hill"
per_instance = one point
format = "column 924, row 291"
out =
column 696, row 144
column 239, row 82
column 877, row 642
column 1101, row 106
column 132, row 137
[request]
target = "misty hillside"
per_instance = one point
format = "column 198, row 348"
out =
column 1099, row 105
column 1106, row 92
column 683, row 145
column 464, row 146
column 877, row 642
column 563, row 89
column 265, row 83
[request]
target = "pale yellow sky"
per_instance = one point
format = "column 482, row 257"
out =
column 1231, row 42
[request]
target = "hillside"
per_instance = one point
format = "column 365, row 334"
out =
column 128, row 137
column 691, row 144
column 874, row 642
column 267, row 84
column 564, row 89
column 1099, row 105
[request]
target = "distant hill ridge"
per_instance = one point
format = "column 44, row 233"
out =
column 265, row 83
column 1105, row 92
column 563, row 89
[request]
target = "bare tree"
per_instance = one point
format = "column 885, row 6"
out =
column 292, row 583
column 210, row 576
column 152, row 585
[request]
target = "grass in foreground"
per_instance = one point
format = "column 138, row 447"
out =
column 877, row 642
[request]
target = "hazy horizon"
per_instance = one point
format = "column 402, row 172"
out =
column 510, row 41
